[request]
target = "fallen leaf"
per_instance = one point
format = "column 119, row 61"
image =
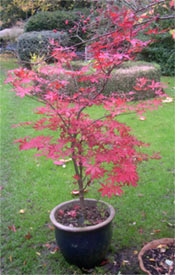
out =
column 169, row 262
column 24, row 263
column 157, row 230
column 62, row 162
column 143, row 214
column 47, row 245
column 54, row 250
column 65, row 160
column 170, row 224
column 167, row 100
column 152, row 260
column 61, row 212
column 104, row 262
column 51, row 227
column 76, row 207
column 44, row 265
column 22, row 211
column 87, row 271
column 76, row 192
column 160, row 246
column 142, row 118
column 125, row 262
column 38, row 253
column 28, row 236
column 12, row 228
column 10, row 258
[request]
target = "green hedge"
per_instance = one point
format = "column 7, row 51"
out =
column 56, row 20
column 47, row 20
column 38, row 43
column 124, row 79
column 162, row 52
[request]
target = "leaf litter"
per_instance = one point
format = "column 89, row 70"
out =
column 160, row 260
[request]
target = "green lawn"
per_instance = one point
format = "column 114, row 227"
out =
column 34, row 186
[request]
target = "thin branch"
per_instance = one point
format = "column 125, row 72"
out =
column 51, row 106
column 101, row 90
column 105, row 116
column 166, row 17
column 149, row 6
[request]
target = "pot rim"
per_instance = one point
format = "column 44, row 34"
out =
column 150, row 245
column 86, row 228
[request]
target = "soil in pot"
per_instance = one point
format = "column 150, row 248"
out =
column 71, row 216
column 160, row 260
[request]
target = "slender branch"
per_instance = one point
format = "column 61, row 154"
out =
column 172, row 16
column 149, row 6
column 74, row 78
column 85, row 186
column 51, row 106
column 80, row 182
column 101, row 90
column 136, row 11
column 105, row 116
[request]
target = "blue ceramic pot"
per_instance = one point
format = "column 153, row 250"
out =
column 84, row 246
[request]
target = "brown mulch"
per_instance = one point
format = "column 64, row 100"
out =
column 160, row 260
column 72, row 216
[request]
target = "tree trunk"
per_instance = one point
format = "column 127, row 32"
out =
column 81, row 196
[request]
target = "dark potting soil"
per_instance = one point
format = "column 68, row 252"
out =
column 160, row 260
column 71, row 216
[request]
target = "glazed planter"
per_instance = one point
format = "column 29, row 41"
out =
column 83, row 246
column 152, row 245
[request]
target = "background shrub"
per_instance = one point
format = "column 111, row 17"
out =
column 47, row 20
column 38, row 43
column 9, row 36
column 124, row 79
column 56, row 20
column 162, row 52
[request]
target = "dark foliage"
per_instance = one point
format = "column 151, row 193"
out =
column 38, row 43
column 60, row 20
column 162, row 52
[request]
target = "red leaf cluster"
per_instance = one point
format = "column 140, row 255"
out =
column 102, row 149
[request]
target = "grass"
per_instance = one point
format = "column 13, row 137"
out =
column 35, row 186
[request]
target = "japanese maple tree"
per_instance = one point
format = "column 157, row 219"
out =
column 102, row 149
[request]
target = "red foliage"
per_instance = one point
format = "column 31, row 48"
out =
column 102, row 149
